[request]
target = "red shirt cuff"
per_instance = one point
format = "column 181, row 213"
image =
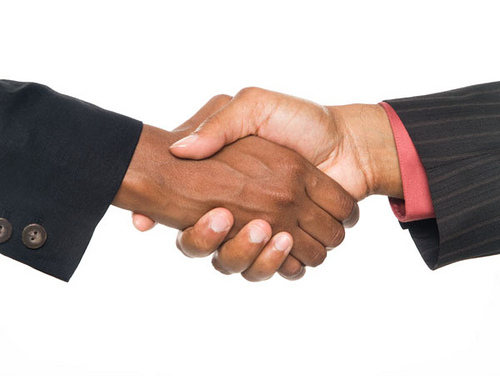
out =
column 417, row 203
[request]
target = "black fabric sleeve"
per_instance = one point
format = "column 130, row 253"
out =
column 61, row 163
column 457, row 136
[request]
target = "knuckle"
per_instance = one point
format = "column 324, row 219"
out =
column 249, row 92
column 291, row 163
column 337, row 237
column 285, row 198
column 346, row 205
column 317, row 257
column 313, row 181
column 309, row 219
column 279, row 201
column 292, row 171
column 221, row 99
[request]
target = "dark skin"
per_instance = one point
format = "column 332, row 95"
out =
column 253, row 178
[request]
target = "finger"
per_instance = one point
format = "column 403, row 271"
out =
column 240, row 252
column 353, row 217
column 292, row 269
column 237, row 119
column 213, row 105
column 207, row 234
column 270, row 259
column 142, row 222
column 306, row 249
column 330, row 196
column 322, row 227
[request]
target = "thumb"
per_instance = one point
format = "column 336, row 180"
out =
column 142, row 222
column 220, row 129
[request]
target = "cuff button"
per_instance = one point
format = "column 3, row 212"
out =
column 5, row 230
column 34, row 236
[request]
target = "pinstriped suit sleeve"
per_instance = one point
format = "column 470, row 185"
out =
column 457, row 136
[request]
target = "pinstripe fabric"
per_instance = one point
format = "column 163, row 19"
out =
column 457, row 136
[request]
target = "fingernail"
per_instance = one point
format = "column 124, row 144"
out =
column 219, row 223
column 256, row 235
column 184, row 142
column 282, row 243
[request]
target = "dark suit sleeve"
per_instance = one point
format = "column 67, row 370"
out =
column 457, row 136
column 61, row 163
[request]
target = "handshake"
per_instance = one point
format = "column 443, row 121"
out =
column 263, row 181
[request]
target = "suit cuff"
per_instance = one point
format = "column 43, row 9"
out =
column 417, row 203
column 62, row 162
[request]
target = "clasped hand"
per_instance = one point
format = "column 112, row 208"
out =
column 259, row 207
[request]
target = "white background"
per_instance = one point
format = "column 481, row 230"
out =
column 136, row 306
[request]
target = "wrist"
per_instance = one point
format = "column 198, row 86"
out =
column 143, row 182
column 368, row 132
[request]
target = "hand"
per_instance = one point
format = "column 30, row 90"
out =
column 352, row 144
column 254, row 179
column 255, row 261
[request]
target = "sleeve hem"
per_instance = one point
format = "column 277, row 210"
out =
column 417, row 204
